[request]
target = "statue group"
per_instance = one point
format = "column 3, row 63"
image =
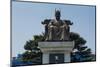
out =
column 57, row 29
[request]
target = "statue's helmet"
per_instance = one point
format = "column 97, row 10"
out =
column 57, row 13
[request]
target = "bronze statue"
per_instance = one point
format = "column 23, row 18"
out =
column 57, row 29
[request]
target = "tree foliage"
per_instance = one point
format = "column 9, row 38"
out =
column 77, row 39
column 30, row 45
column 83, row 53
column 32, row 51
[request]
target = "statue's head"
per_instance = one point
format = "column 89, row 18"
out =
column 57, row 14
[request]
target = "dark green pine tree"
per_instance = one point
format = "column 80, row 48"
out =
column 83, row 53
column 33, row 53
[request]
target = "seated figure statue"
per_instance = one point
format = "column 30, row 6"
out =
column 57, row 29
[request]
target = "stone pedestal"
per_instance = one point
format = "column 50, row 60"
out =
column 56, row 52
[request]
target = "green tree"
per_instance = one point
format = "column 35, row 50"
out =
column 84, row 53
column 32, row 50
column 77, row 39
column 30, row 45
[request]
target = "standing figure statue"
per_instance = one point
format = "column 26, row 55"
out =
column 57, row 29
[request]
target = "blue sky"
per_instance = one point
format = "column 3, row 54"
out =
column 27, row 17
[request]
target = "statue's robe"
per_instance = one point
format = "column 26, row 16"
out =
column 57, row 30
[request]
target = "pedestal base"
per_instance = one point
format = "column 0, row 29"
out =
column 56, row 52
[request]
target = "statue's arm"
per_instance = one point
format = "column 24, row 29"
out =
column 46, row 23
